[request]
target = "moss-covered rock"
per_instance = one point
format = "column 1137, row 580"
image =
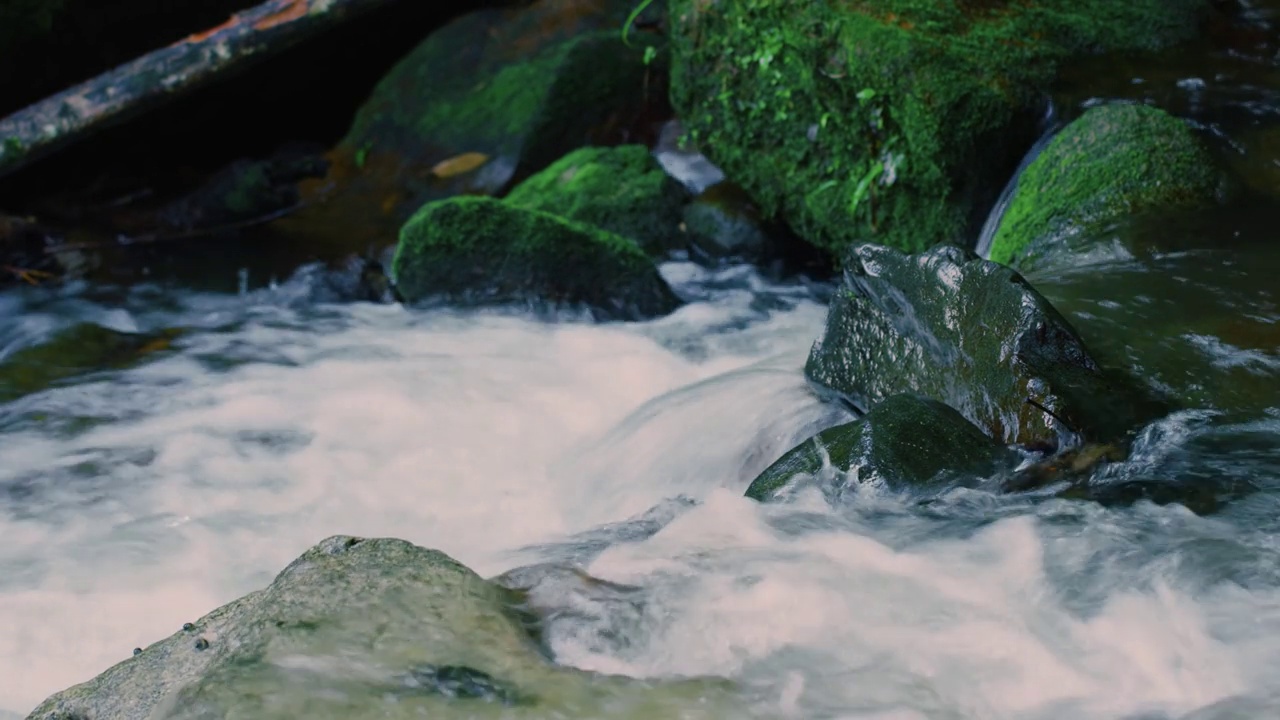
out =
column 1113, row 161
column 620, row 189
column 476, row 250
column 975, row 335
column 361, row 629
column 894, row 122
column 905, row 442
column 520, row 86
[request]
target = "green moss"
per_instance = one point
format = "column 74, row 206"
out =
column 460, row 92
column 484, row 251
column 1115, row 160
column 620, row 189
column 894, row 121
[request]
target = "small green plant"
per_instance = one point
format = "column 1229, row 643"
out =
column 631, row 19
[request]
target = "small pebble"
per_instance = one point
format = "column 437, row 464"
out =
column 202, row 644
column 137, row 651
column 188, row 626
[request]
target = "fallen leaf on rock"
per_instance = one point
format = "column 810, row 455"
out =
column 459, row 164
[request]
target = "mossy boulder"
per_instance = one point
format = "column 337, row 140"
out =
column 361, row 629
column 516, row 87
column 476, row 250
column 620, row 189
column 974, row 335
column 905, row 442
column 894, row 122
column 1113, row 161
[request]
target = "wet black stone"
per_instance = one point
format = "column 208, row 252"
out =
column 202, row 644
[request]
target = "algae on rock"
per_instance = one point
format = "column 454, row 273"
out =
column 621, row 189
column 894, row 122
column 483, row 251
column 1113, row 161
column 362, row 629
column 906, row 441
column 975, row 335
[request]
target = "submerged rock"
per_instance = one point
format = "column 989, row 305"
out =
column 620, row 189
column 81, row 349
column 363, row 629
column 1113, row 161
column 894, row 122
column 905, row 442
column 975, row 335
column 722, row 222
column 476, row 250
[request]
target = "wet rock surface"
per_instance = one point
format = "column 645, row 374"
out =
column 976, row 336
column 906, row 442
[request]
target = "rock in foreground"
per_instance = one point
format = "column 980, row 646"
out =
column 1111, row 162
column 362, row 629
column 481, row 251
column 905, row 442
column 974, row 335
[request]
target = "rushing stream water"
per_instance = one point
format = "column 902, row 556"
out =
column 132, row 500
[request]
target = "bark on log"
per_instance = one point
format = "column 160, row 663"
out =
column 167, row 73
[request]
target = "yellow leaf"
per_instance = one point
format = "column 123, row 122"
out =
column 464, row 163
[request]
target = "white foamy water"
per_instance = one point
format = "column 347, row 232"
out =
column 503, row 440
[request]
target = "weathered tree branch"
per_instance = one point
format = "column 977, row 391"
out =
column 162, row 75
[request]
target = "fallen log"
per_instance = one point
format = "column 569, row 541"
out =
column 165, row 74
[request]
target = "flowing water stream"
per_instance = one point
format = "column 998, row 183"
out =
column 134, row 499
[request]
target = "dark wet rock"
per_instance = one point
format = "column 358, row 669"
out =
column 81, row 349
column 894, row 122
column 246, row 190
column 620, row 189
column 723, row 223
column 1112, row 162
column 905, row 442
column 475, row 250
column 975, row 335
column 361, row 629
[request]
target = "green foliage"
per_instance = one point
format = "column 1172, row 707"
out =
column 1115, row 160
column 635, row 13
column 884, row 121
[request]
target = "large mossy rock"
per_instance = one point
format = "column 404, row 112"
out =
column 894, row 122
column 974, row 335
column 515, row 88
column 1113, row 161
column 362, row 629
column 905, row 442
column 620, row 189
column 475, row 250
